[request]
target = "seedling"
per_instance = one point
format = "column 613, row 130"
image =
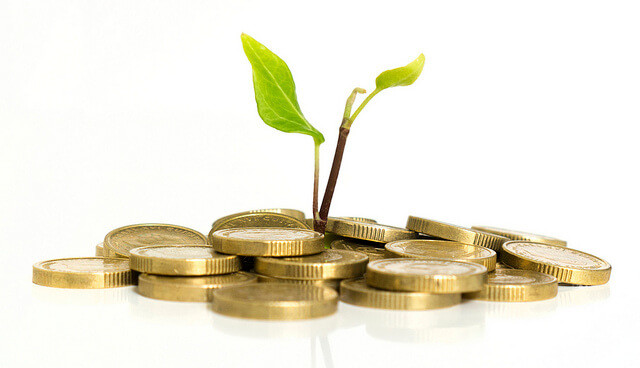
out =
column 278, row 107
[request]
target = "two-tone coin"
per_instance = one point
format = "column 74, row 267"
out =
column 189, row 288
column 513, row 285
column 568, row 265
column 426, row 275
column 83, row 273
column 120, row 241
column 521, row 235
column 267, row 242
column 368, row 231
column 329, row 264
column 443, row 249
column 275, row 301
column 182, row 260
column 455, row 233
column 357, row 292
column 373, row 252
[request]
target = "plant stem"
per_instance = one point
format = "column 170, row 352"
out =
column 316, row 179
column 348, row 122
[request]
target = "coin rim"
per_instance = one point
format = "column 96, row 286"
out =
column 455, row 233
column 111, row 251
column 225, row 263
column 267, row 248
column 285, row 269
column 488, row 261
column 83, row 280
column 373, row 232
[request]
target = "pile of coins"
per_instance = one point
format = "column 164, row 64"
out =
column 269, row 264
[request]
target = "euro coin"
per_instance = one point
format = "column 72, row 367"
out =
column 331, row 283
column 182, row 260
column 374, row 253
column 267, row 242
column 368, row 231
column 443, row 249
column 275, row 301
column 258, row 219
column 329, row 264
column 100, row 250
column 357, row 292
column 120, row 241
column 521, row 235
column 512, row 285
column 189, row 288
column 426, row 275
column 455, row 233
column 83, row 273
column 568, row 265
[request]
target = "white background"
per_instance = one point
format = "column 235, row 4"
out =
column 118, row 112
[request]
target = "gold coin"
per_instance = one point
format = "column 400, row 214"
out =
column 374, row 253
column 276, row 301
column 83, row 273
column 120, row 241
column 258, row 219
column 285, row 211
column 357, row 292
column 267, row 242
column 426, row 275
column 568, row 265
column 332, row 283
column 359, row 219
column 182, row 260
column 500, row 265
column 368, row 231
column 521, row 235
column 443, row 249
column 511, row 285
column 189, row 288
column 329, row 264
column 455, row 233
column 100, row 250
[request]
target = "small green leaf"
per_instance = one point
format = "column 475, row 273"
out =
column 402, row 76
column 275, row 91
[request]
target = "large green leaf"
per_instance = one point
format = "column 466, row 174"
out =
column 402, row 76
column 275, row 91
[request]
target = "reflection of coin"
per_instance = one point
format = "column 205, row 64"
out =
column 455, row 233
column 426, row 275
column 267, row 241
column 443, row 249
column 374, row 253
column 121, row 240
column 567, row 265
column 367, row 231
column 276, row 301
column 521, row 235
column 182, row 260
column 191, row 288
column 332, row 283
column 512, row 285
column 83, row 273
column 329, row 264
column 257, row 219
column 357, row 292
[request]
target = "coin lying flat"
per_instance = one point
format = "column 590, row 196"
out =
column 329, row 264
column 374, row 253
column 276, row 301
column 331, row 283
column 258, row 219
column 512, row 285
column 455, row 233
column 285, row 211
column 568, row 265
column 100, row 250
column 359, row 219
column 189, row 288
column 267, row 242
column 182, row 260
column 368, row 231
column 83, row 273
column 443, row 249
column 357, row 292
column 500, row 265
column 120, row 241
column 521, row 235
column 426, row 275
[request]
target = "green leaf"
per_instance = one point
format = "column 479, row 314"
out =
column 275, row 91
column 402, row 76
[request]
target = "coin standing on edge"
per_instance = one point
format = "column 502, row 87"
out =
column 267, row 242
column 426, row 275
column 120, row 241
column 189, row 288
column 443, row 249
column 521, row 235
column 182, row 260
column 374, row 253
column 568, row 265
column 275, row 301
column 368, row 231
column 83, row 273
column 357, row 292
column 329, row 264
column 455, row 233
column 512, row 285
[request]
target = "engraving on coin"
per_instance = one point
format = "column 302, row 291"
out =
column 564, row 257
column 83, row 273
column 267, row 242
column 259, row 219
column 86, row 265
column 368, row 231
column 182, row 260
column 443, row 249
column 268, row 234
column 329, row 264
column 122, row 240
column 426, row 267
column 374, row 253
column 176, row 252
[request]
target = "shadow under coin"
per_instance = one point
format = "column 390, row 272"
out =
column 83, row 297
column 573, row 295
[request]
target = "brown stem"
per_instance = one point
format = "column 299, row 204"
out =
column 321, row 223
